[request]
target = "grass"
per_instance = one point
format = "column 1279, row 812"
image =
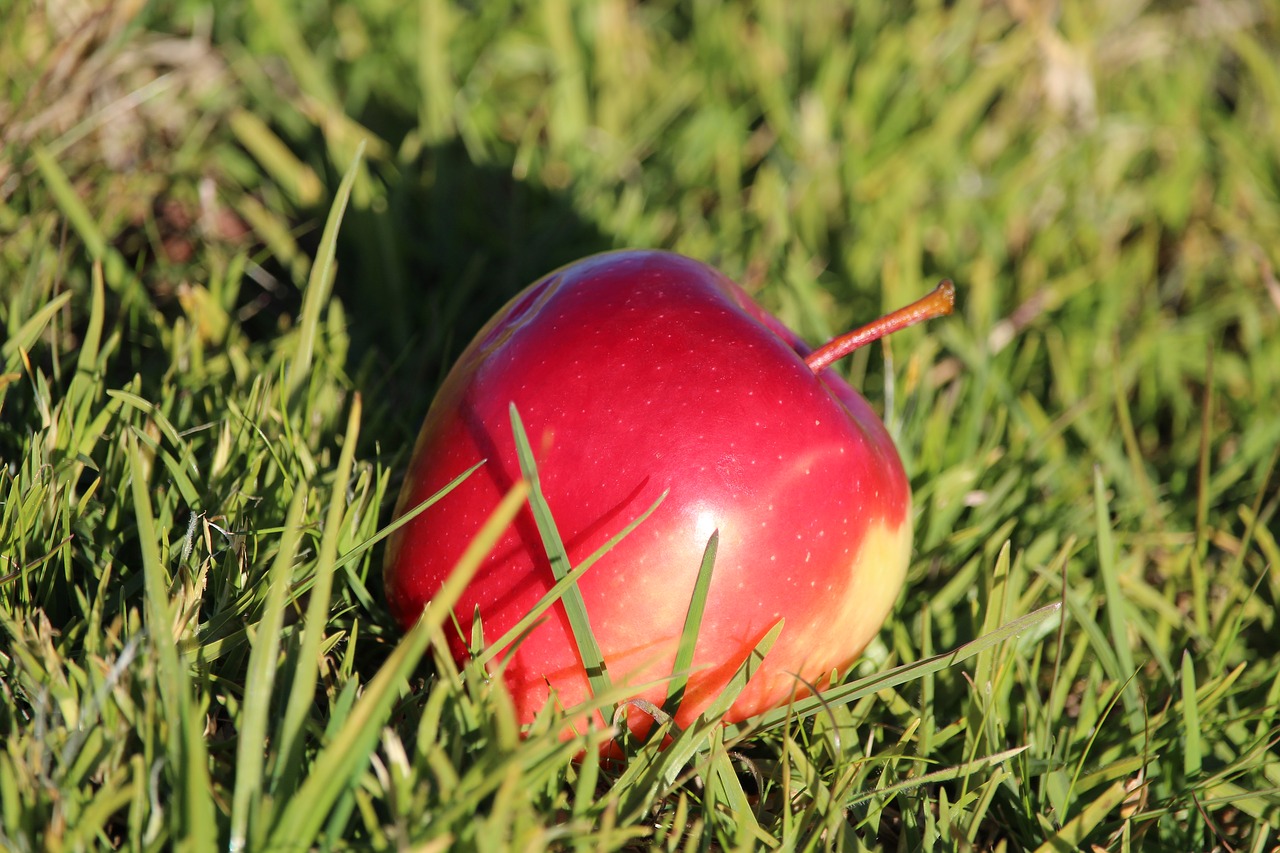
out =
column 238, row 249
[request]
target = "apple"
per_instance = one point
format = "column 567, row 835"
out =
column 635, row 373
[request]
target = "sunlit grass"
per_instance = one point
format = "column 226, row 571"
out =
column 239, row 248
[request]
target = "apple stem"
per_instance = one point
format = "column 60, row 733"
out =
column 938, row 303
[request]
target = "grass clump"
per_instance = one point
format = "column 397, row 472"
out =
column 239, row 247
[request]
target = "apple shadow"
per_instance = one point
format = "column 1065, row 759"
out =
column 449, row 243
column 419, row 274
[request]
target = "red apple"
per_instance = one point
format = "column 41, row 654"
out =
column 636, row 372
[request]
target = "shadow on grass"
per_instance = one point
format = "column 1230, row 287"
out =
column 423, row 269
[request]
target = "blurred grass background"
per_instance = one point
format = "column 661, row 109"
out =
column 197, row 411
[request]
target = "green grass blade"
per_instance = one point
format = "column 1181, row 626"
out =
column 306, row 813
column 558, row 589
column 404, row 518
column 320, row 282
column 27, row 334
column 743, row 674
column 574, row 606
column 292, row 728
column 658, row 765
column 693, row 739
column 726, row 787
column 1074, row 832
column 1116, row 601
column 1193, row 750
column 295, row 177
column 86, row 360
column 260, row 682
column 151, row 410
column 855, row 690
column 962, row 771
column 692, row 626
column 187, row 759
column 73, row 207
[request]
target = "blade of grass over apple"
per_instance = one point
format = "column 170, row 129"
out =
column 349, row 749
column 568, row 581
column 658, row 766
column 693, row 740
column 743, row 674
column 855, row 690
column 260, row 684
column 401, row 520
column 692, row 626
column 227, row 629
column 188, row 758
column 575, row 608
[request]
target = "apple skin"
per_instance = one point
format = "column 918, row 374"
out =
column 635, row 372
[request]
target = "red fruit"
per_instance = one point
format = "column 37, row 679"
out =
column 636, row 372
